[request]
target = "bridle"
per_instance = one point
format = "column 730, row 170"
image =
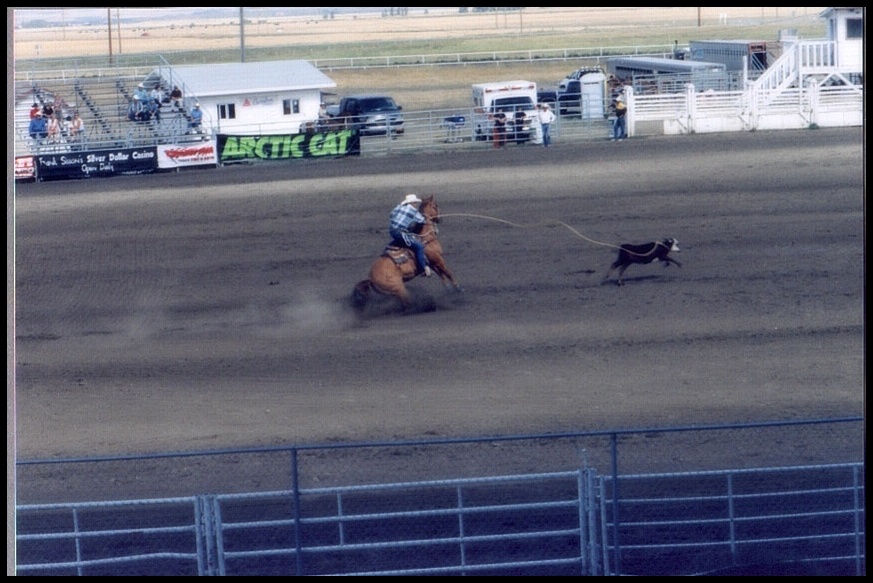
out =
column 436, row 216
column 432, row 221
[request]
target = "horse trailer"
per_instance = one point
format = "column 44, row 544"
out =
column 736, row 55
column 659, row 75
column 628, row 67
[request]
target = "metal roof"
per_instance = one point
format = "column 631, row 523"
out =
column 259, row 77
column 828, row 11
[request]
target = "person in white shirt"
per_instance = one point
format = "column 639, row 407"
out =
column 77, row 127
column 545, row 116
column 54, row 129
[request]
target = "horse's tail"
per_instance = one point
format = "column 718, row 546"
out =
column 361, row 293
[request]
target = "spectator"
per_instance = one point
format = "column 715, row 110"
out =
column 153, row 109
column 38, row 129
column 195, row 119
column 48, row 110
column 619, row 124
column 498, row 136
column 65, row 126
column 546, row 116
column 35, row 110
column 516, row 126
column 134, row 109
column 176, row 98
column 53, row 129
column 77, row 128
column 141, row 92
column 157, row 93
column 323, row 122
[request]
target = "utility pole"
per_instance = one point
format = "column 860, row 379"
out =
column 242, row 36
column 109, row 23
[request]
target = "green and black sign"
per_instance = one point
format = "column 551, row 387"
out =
column 287, row 147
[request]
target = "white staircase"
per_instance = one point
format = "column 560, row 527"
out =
column 799, row 60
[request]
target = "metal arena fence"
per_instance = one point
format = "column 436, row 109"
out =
column 516, row 505
column 684, row 112
column 657, row 104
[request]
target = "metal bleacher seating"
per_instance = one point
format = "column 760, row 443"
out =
column 101, row 97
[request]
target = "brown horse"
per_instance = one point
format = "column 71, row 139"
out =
column 391, row 270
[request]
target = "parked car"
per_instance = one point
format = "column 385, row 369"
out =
column 370, row 114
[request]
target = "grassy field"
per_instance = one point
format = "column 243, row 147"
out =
column 443, row 31
column 419, row 33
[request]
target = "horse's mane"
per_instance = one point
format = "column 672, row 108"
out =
column 427, row 201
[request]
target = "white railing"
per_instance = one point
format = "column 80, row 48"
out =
column 799, row 59
column 722, row 111
column 816, row 56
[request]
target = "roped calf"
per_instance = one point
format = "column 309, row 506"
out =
column 646, row 253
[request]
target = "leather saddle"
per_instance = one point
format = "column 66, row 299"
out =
column 398, row 255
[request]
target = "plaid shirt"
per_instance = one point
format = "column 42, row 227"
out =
column 402, row 217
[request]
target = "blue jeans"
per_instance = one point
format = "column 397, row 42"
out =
column 413, row 243
column 619, row 128
column 547, row 137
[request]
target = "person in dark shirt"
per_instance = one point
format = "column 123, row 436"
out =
column 619, row 124
column 499, row 130
column 176, row 97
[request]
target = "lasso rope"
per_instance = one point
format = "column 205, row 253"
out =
column 531, row 226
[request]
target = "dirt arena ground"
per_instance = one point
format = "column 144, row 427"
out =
column 209, row 309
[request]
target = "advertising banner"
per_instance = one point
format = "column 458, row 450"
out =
column 24, row 168
column 185, row 155
column 98, row 163
column 288, row 147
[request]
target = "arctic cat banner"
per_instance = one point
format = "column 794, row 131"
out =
column 287, row 147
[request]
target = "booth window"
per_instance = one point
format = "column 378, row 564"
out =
column 290, row 106
column 854, row 28
column 227, row 111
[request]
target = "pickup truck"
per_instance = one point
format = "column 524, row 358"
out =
column 369, row 114
column 516, row 99
column 582, row 92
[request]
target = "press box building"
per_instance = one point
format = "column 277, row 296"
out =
column 260, row 98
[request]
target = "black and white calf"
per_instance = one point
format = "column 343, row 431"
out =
column 646, row 253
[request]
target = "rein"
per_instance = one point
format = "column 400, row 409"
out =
column 430, row 227
column 425, row 235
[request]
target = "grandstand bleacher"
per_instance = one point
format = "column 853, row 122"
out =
column 100, row 94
